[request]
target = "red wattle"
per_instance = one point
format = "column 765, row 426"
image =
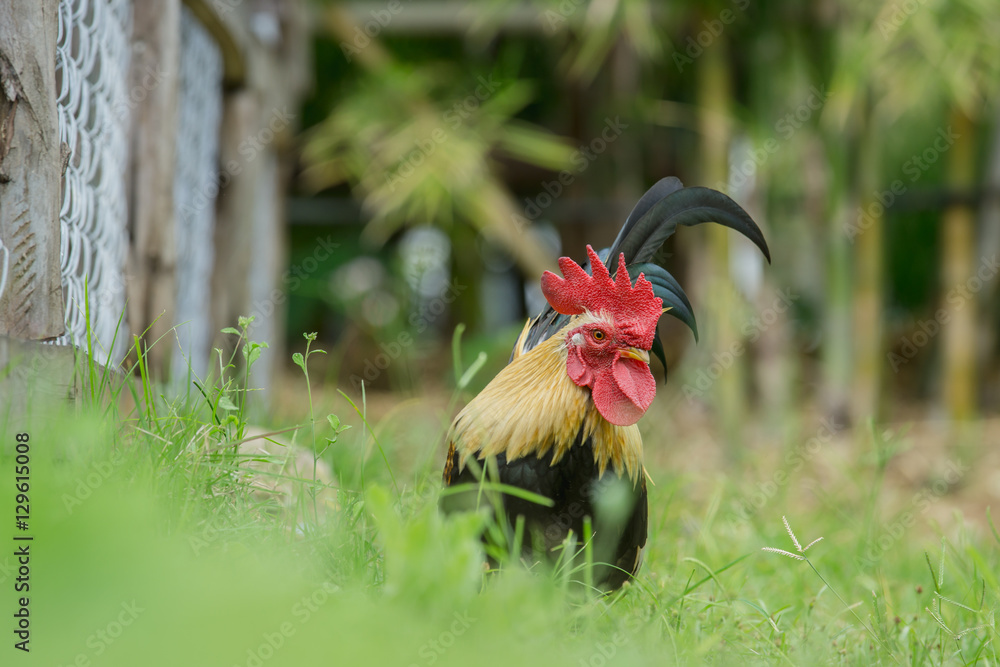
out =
column 577, row 369
column 624, row 394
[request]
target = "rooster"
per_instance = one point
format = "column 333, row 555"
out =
column 559, row 421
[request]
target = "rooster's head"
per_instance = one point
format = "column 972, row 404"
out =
column 608, row 343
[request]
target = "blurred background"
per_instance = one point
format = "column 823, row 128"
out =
column 452, row 150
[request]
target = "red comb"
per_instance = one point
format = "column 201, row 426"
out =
column 635, row 309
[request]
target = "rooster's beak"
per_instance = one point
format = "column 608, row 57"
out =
column 637, row 354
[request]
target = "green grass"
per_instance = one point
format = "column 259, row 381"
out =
column 147, row 516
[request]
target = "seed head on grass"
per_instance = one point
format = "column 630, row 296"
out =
column 801, row 555
column 801, row 550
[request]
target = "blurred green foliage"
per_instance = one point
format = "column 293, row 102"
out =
column 888, row 77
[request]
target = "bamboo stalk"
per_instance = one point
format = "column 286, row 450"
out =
column 958, row 265
column 715, row 98
column 868, row 281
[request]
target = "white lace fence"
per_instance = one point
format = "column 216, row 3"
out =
column 200, row 112
column 92, row 67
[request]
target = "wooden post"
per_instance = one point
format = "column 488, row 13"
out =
column 259, row 116
column 152, row 263
column 235, row 211
column 31, row 301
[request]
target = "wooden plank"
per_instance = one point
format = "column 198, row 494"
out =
column 31, row 304
column 152, row 285
column 235, row 211
column 38, row 381
column 219, row 19
column 459, row 17
column 256, row 148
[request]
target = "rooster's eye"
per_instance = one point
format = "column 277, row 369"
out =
column 598, row 335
